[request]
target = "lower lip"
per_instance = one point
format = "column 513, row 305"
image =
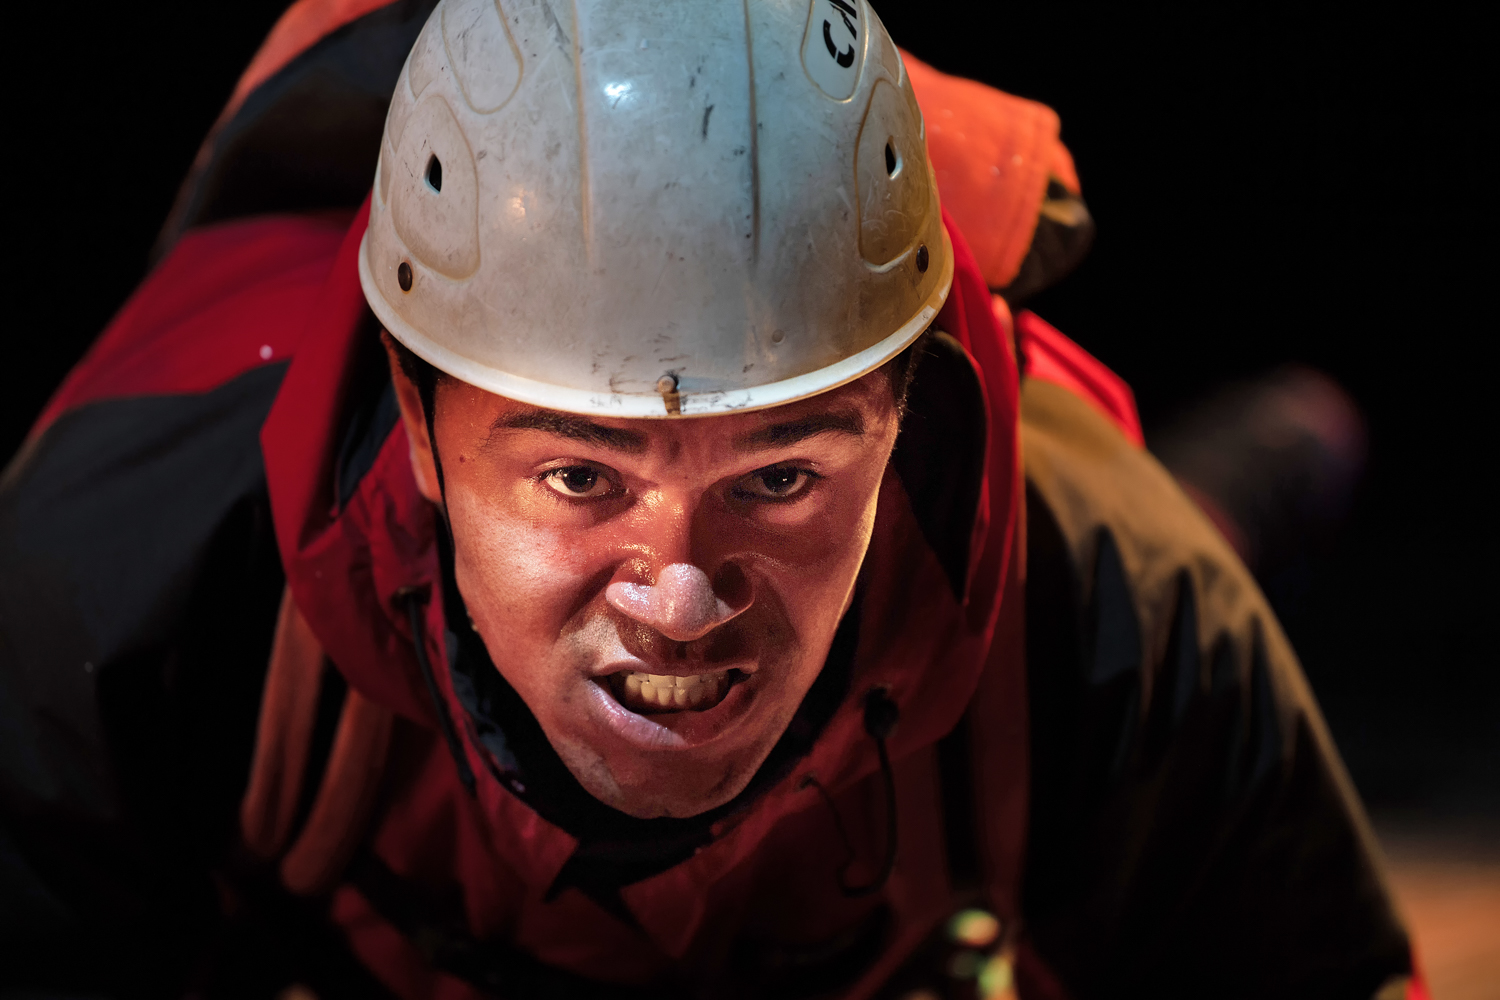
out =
column 671, row 730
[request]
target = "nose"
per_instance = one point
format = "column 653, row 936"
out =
column 681, row 605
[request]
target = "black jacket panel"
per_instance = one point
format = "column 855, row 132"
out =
column 1193, row 831
column 139, row 582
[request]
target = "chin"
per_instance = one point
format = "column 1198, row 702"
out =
column 677, row 789
column 676, row 743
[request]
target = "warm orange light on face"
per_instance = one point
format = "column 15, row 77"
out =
column 661, row 593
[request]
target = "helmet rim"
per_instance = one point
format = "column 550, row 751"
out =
column 569, row 399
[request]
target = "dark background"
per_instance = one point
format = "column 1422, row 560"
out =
column 1270, row 185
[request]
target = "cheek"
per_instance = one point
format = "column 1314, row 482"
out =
column 827, row 537
column 812, row 565
column 519, row 577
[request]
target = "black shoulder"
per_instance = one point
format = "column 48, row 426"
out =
column 138, row 594
column 1193, row 831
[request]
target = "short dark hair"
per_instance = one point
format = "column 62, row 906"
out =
column 900, row 370
column 420, row 372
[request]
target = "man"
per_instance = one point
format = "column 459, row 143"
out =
column 655, row 598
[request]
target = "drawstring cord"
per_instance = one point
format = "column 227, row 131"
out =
column 413, row 598
column 881, row 714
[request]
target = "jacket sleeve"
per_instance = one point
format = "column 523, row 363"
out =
column 1192, row 829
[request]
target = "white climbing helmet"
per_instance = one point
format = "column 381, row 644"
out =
column 655, row 207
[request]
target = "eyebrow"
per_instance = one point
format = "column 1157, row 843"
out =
column 575, row 427
column 780, row 435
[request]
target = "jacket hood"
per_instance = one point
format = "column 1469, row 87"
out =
column 358, row 541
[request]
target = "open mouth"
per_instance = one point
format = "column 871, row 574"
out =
column 657, row 712
column 653, row 693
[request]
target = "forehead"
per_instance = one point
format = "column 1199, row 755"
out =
column 853, row 410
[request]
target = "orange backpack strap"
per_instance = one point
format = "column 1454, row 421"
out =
column 335, row 825
column 288, row 712
column 351, row 782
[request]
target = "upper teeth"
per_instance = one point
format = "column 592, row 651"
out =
column 674, row 692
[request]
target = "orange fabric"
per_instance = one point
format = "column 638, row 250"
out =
column 993, row 153
column 351, row 778
column 296, row 31
column 288, row 712
column 351, row 781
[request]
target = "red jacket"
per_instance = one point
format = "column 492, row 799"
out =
column 380, row 542
column 134, row 531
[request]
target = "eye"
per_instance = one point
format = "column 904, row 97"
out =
column 776, row 482
column 578, row 482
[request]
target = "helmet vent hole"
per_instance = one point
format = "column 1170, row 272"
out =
column 892, row 161
column 435, row 173
column 403, row 276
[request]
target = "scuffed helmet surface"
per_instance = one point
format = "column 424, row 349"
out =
column 593, row 196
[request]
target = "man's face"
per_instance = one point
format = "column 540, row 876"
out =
column 661, row 593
